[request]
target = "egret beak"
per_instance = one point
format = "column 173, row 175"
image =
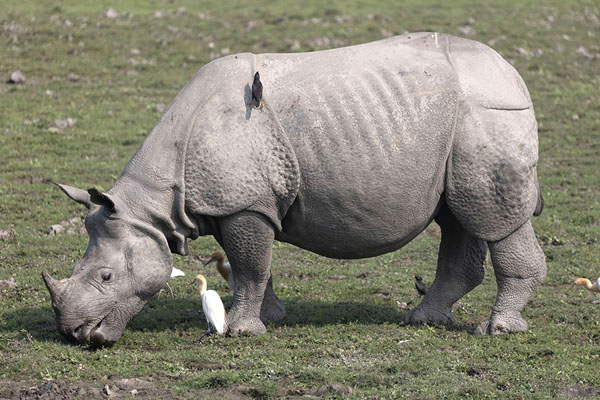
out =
column 209, row 261
column 570, row 287
column 192, row 282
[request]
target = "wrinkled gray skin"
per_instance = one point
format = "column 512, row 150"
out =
column 357, row 150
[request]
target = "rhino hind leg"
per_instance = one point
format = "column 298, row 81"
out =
column 272, row 308
column 520, row 268
column 461, row 267
column 247, row 238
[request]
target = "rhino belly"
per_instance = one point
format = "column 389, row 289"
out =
column 372, row 145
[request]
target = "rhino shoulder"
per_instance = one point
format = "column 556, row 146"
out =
column 238, row 157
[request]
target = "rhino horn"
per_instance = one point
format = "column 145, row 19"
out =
column 56, row 288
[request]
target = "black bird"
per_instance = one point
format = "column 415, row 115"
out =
column 257, row 89
column 420, row 286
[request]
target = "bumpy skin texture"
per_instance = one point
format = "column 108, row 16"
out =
column 356, row 151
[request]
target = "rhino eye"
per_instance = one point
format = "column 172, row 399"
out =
column 106, row 276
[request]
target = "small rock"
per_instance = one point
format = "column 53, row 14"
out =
column 158, row 14
column 402, row 304
column 470, row 21
column 565, row 36
column 135, row 52
column 7, row 235
column 111, row 13
column 294, row 46
column 584, row 52
column 8, row 283
column 49, row 92
column 466, row 30
column 64, row 123
column 523, row 51
column 250, row 25
column 16, row 77
column 341, row 389
column 67, row 23
column 56, row 229
column 225, row 51
column 107, row 390
column 574, row 117
column 73, row 77
column 133, row 383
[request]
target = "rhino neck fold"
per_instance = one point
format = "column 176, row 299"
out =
column 161, row 207
column 153, row 182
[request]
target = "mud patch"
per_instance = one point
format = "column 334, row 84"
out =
column 579, row 391
column 62, row 389
column 51, row 389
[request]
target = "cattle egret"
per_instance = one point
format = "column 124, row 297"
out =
column 223, row 267
column 594, row 287
column 212, row 306
column 175, row 272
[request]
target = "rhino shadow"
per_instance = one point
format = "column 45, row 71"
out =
column 184, row 313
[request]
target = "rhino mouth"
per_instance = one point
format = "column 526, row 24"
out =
column 98, row 334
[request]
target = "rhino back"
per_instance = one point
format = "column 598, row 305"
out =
column 371, row 127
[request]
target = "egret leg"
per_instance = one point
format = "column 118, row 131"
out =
column 248, row 240
column 461, row 267
column 170, row 290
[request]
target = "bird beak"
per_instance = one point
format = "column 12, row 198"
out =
column 209, row 261
column 192, row 282
column 571, row 287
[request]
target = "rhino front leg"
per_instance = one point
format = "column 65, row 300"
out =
column 248, row 241
column 460, row 268
column 520, row 268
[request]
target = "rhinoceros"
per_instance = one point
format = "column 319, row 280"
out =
column 357, row 151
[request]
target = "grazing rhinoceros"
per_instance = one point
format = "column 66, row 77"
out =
column 356, row 151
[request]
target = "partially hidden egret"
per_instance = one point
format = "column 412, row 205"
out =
column 594, row 287
column 212, row 306
column 420, row 285
column 175, row 272
column 223, row 267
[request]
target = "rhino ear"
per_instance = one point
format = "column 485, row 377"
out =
column 101, row 199
column 79, row 195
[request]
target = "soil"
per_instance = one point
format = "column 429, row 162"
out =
column 62, row 389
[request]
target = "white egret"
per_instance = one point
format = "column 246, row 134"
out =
column 212, row 306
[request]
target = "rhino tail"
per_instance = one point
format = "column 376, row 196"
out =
column 539, row 207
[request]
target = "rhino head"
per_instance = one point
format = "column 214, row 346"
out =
column 126, row 262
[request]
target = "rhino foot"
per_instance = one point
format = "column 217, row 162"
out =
column 424, row 315
column 247, row 325
column 499, row 324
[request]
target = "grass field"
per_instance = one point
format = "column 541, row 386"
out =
column 113, row 75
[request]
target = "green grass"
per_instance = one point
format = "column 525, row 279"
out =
column 342, row 323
